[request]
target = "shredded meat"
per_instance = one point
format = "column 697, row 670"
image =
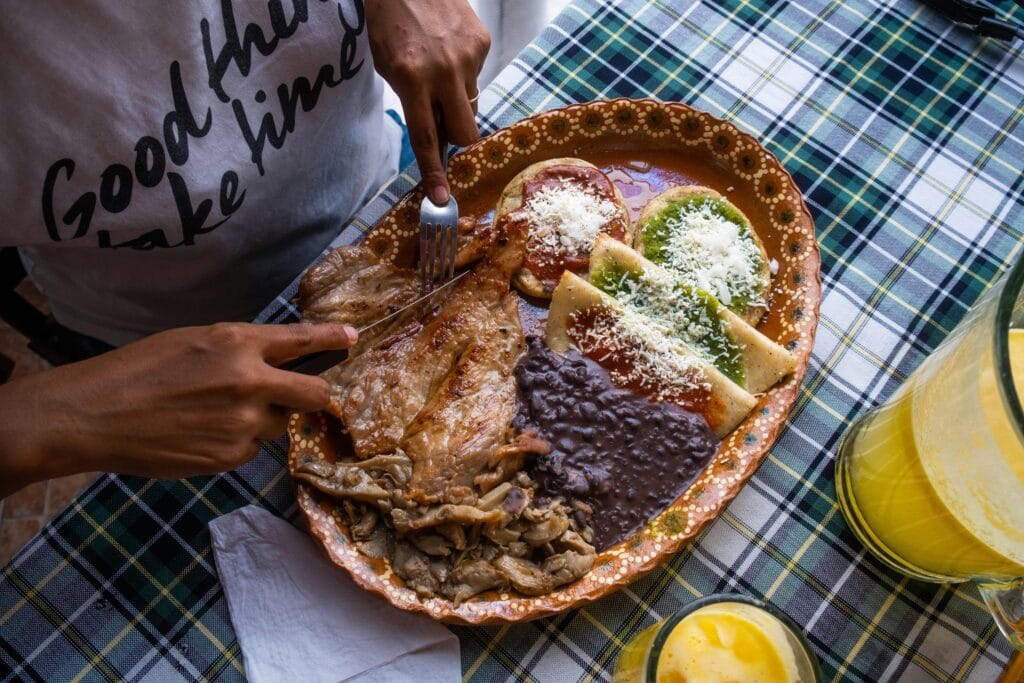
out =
column 474, row 577
column 525, row 576
column 547, row 530
column 342, row 480
column 437, row 485
column 414, row 567
column 435, row 515
column 431, row 544
column 510, row 458
column 364, row 528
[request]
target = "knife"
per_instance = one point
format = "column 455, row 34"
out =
column 315, row 363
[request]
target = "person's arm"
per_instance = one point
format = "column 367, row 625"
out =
column 430, row 52
column 179, row 403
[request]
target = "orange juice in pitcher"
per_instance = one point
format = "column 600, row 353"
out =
column 932, row 481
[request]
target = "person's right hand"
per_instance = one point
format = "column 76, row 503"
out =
column 179, row 403
column 431, row 53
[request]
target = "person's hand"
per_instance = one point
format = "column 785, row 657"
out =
column 179, row 403
column 430, row 53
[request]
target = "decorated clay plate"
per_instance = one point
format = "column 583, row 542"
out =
column 644, row 146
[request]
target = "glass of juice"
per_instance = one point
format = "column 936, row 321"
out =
column 722, row 637
column 932, row 481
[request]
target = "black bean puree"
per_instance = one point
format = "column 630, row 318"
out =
column 621, row 453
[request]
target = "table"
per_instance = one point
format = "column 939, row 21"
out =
column 905, row 133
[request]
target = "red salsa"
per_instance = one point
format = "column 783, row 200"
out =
column 546, row 266
column 626, row 366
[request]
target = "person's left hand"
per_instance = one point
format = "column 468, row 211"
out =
column 430, row 53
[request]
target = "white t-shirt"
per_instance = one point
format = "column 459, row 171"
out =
column 168, row 164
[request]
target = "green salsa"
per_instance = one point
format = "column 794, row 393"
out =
column 656, row 234
column 694, row 315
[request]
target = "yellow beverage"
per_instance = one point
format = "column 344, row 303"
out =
column 933, row 481
column 720, row 642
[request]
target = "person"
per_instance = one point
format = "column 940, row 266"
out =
column 171, row 167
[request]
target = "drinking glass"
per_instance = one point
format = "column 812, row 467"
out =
column 932, row 481
column 647, row 657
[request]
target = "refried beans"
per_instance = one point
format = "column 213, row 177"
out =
column 623, row 455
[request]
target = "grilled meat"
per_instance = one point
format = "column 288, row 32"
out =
column 428, row 402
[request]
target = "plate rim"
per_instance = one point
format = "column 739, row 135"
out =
column 475, row 612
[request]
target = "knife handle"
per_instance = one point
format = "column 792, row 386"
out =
column 315, row 363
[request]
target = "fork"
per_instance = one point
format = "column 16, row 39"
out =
column 439, row 231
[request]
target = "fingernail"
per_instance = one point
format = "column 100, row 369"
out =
column 352, row 334
column 439, row 195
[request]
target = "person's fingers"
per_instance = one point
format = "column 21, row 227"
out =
column 471, row 75
column 422, row 124
column 483, row 48
column 273, row 424
column 459, row 114
column 240, row 453
column 284, row 342
column 295, row 391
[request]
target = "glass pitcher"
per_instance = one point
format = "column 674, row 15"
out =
column 932, row 481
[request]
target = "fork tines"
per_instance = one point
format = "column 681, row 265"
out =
column 439, row 234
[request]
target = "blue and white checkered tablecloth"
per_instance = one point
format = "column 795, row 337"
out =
column 905, row 133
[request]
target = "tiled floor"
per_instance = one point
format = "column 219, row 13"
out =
column 25, row 512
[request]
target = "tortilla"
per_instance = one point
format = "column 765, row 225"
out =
column 512, row 199
column 721, row 401
column 748, row 300
column 723, row 338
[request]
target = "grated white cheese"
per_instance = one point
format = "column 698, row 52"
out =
column 645, row 355
column 709, row 252
column 657, row 295
column 566, row 219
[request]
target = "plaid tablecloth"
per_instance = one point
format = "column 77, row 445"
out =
column 904, row 131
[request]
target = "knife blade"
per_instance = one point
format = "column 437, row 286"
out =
column 315, row 363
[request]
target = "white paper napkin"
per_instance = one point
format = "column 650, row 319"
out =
column 300, row 618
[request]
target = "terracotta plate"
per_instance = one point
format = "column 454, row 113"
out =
column 644, row 145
